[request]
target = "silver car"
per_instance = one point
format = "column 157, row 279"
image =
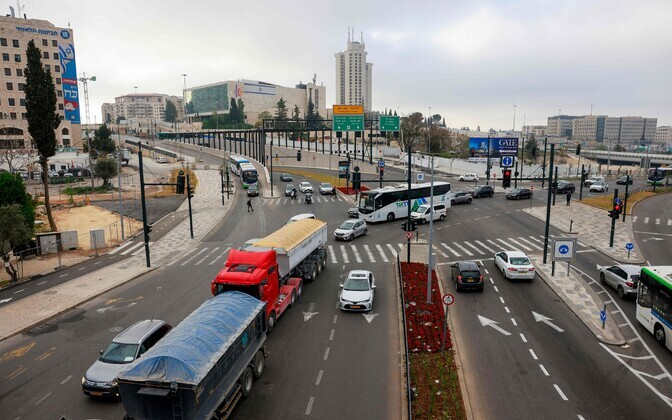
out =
column 623, row 277
column 599, row 187
column 306, row 187
column 350, row 229
column 463, row 197
column 326, row 188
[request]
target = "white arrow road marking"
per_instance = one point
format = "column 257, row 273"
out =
column 546, row 320
column 308, row 315
column 369, row 318
column 490, row 323
column 652, row 239
column 5, row 300
column 103, row 310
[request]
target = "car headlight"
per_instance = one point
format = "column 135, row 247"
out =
column 83, row 380
column 112, row 383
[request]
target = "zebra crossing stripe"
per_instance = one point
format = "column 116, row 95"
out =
column 184, row 255
column 400, row 246
column 438, row 250
column 646, row 220
column 120, row 247
column 525, row 247
column 194, row 256
column 669, row 222
column 537, row 240
column 142, row 249
column 506, row 244
column 485, row 246
column 465, row 250
column 634, row 219
column 450, row 249
column 346, row 260
column 527, row 241
column 132, row 248
column 657, row 220
column 220, row 255
column 470, row 245
column 369, row 253
column 394, row 251
column 354, row 251
column 333, row 254
column 207, row 256
column 382, row 254
column 494, row 244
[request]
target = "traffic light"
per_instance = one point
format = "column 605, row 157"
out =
column 578, row 149
column 617, row 208
column 356, row 183
column 148, row 228
column 298, row 155
column 506, row 178
column 584, row 175
column 190, row 192
column 382, row 171
column 404, row 226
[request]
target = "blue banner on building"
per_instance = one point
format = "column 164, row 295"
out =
column 478, row 146
column 66, row 49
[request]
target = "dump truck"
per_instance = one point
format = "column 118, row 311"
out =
column 273, row 269
column 201, row 368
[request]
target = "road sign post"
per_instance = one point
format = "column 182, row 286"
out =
column 603, row 315
column 448, row 300
column 629, row 246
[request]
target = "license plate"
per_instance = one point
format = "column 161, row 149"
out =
column 355, row 306
column 470, row 280
column 96, row 393
column 522, row 270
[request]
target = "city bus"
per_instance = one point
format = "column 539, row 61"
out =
column 234, row 163
column 390, row 203
column 654, row 303
column 659, row 176
column 248, row 174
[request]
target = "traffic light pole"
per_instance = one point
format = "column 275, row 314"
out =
column 554, row 185
column 548, row 204
column 613, row 220
column 145, row 225
column 625, row 201
column 408, row 218
column 583, row 176
column 191, row 220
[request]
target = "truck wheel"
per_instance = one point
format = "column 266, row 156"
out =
column 292, row 298
column 246, row 381
column 317, row 260
column 271, row 322
column 258, row 364
column 313, row 271
column 324, row 259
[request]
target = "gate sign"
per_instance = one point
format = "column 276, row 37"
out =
column 564, row 249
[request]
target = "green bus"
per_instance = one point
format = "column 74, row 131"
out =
column 654, row 303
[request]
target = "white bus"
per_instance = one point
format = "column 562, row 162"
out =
column 659, row 176
column 390, row 203
column 248, row 174
column 654, row 303
column 234, row 163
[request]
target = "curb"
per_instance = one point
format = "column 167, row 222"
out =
column 402, row 356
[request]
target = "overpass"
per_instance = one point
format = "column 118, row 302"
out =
column 628, row 158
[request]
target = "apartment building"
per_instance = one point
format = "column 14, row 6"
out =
column 135, row 106
column 354, row 75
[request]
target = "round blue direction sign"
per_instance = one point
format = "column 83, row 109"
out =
column 381, row 163
column 629, row 246
column 563, row 249
column 603, row 316
column 507, row 160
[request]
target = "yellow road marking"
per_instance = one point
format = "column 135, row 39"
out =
column 13, row 354
column 121, row 300
column 44, row 356
column 16, row 373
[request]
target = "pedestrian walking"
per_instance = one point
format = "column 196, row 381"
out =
column 249, row 205
column 569, row 197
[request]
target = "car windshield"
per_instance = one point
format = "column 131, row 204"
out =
column 347, row 225
column 516, row 190
column 289, row 187
column 253, row 186
column 422, row 209
column 325, row 185
column 470, row 274
column 634, row 277
column 119, row 353
column 520, row 261
column 356, row 284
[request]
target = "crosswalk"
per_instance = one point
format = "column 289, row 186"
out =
column 132, row 248
column 652, row 220
column 282, row 201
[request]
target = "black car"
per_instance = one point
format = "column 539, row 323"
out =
column 624, row 179
column 518, row 193
column 466, row 275
column 564, row 187
column 253, row 190
column 483, row 191
column 285, row 177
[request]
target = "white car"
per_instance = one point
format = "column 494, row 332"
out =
column 161, row 160
column 305, row 187
column 326, row 188
column 514, row 265
column 468, row 177
column 357, row 291
column 350, row 229
column 599, row 187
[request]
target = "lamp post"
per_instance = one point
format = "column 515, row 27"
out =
column 514, row 117
column 184, row 95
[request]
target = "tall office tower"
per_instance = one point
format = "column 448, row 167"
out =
column 353, row 75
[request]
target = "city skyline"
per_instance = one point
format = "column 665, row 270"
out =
column 475, row 64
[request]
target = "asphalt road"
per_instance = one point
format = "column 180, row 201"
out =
column 652, row 225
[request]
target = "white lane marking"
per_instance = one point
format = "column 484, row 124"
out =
column 400, row 246
column 486, row 271
column 646, row 220
column 369, row 253
column 450, row 249
column 394, row 251
column 326, row 353
column 335, row 318
column 513, row 321
column 496, row 289
column 465, row 250
column 97, row 262
column 534, row 355
column 525, row 247
column 657, row 220
column 522, row 337
column 537, row 240
column 63, row 275
column 319, row 377
column 506, row 308
column 188, row 260
column 207, row 256
column 439, row 251
column 38, row 402
column 562, row 394
column 501, row 299
column 507, row 245
column 183, row 255
column 634, row 219
column 18, row 291
column 382, row 253
column 580, row 417
column 333, row 254
column 310, row 406
column 472, row 246
column 80, row 269
column 358, row 258
column 344, row 254
column 492, row 281
column 669, row 222
column 66, row 380
column 119, row 248
column 41, row 283
column 331, row 335
column 228, row 248
column 485, row 246
column 543, row 369
column 132, row 248
column 494, row 244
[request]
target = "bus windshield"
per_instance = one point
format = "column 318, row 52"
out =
column 366, row 203
column 250, row 176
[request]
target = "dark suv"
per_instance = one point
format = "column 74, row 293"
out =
column 483, row 191
column 467, row 275
column 564, row 187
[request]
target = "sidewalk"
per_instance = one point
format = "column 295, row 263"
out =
column 207, row 213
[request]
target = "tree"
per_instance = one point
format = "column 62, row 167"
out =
column 310, row 115
column 233, row 111
column 531, row 148
column 241, row 111
column 12, row 150
column 170, row 114
column 13, row 191
column 263, row 115
column 281, row 110
column 411, row 128
column 13, row 231
column 41, row 115
column 296, row 115
column 102, row 140
column 105, row 168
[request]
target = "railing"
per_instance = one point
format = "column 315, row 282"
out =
column 403, row 320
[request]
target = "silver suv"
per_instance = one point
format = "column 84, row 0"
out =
column 100, row 380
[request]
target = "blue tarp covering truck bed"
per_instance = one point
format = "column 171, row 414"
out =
column 203, row 366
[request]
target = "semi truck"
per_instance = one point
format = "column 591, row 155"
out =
column 274, row 269
column 202, row 367
column 125, row 156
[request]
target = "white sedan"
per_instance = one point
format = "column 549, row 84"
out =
column 306, row 187
column 357, row 291
column 468, row 177
column 514, row 265
column 599, row 187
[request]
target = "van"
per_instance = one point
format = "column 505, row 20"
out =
column 422, row 213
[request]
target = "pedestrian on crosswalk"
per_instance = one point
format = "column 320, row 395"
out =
column 569, row 197
column 249, row 205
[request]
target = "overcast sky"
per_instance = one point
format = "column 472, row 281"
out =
column 471, row 61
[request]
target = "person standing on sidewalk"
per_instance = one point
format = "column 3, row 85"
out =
column 569, row 197
column 249, row 205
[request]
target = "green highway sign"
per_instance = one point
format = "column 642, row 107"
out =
column 348, row 123
column 388, row 123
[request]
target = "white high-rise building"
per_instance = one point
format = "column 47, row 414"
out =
column 353, row 75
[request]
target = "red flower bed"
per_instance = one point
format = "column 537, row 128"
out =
column 350, row 190
column 424, row 321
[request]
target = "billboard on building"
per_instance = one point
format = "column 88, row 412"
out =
column 251, row 87
column 66, row 50
column 204, row 100
column 478, row 146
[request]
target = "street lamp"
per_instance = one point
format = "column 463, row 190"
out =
column 184, row 95
column 514, row 117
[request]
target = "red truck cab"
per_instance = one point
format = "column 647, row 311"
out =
column 256, row 273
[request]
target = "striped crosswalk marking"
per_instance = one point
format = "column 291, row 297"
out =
column 132, row 248
column 471, row 246
column 183, row 255
column 220, row 255
column 382, row 253
column 194, row 256
column 532, row 244
column 657, row 220
column 392, row 250
column 494, row 244
column 207, row 256
column 450, row 249
column 669, row 222
column 369, row 254
column 356, row 253
column 465, row 250
column 534, row 238
column 439, row 251
column 525, row 247
column 400, row 246
column 333, row 254
column 346, row 260
column 142, row 248
column 485, row 246
column 503, row 242
column 646, row 220
column 634, row 219
column 120, row 247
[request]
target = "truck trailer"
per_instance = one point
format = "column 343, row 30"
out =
column 201, row 368
column 274, row 268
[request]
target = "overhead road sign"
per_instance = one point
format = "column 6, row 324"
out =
column 348, row 123
column 348, row 109
column 388, row 123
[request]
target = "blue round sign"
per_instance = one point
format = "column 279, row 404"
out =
column 603, row 316
column 381, row 163
column 563, row 249
column 629, row 246
column 507, row 161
